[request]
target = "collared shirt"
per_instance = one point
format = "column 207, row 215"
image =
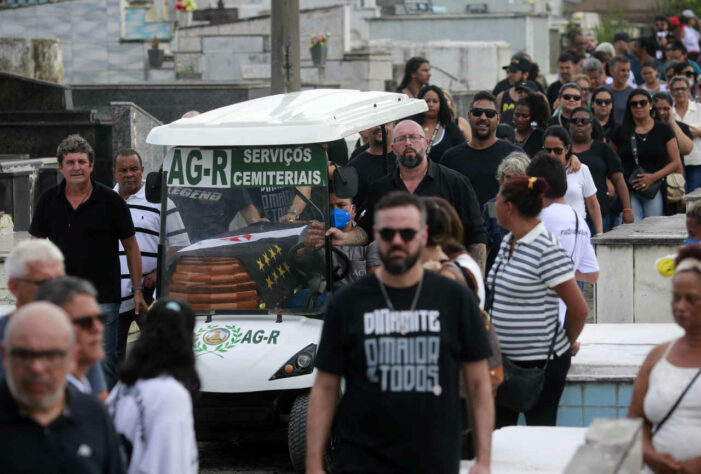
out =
column 692, row 117
column 80, row 440
column 525, row 308
column 147, row 225
column 87, row 236
column 439, row 181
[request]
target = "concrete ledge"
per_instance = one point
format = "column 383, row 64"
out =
column 612, row 447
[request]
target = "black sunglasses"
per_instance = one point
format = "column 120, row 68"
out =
column 477, row 112
column 387, row 234
column 571, row 97
column 86, row 323
column 603, row 101
column 556, row 151
column 689, row 73
column 581, row 121
column 639, row 103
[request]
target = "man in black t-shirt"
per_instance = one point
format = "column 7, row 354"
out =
column 370, row 164
column 400, row 338
column 479, row 159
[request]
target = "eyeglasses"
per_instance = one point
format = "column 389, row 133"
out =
column 26, row 357
column 688, row 73
column 477, row 112
column 581, row 121
column 408, row 138
column 555, row 151
column 603, row 101
column 680, row 89
column 571, row 97
column 639, row 103
column 387, row 234
column 34, row 282
column 87, row 323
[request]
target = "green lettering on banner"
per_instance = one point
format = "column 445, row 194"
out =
column 258, row 336
column 248, row 167
column 247, row 337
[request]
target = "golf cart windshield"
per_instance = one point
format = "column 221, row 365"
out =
column 246, row 227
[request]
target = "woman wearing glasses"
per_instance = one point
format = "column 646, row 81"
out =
column 569, row 99
column 437, row 122
column 527, row 322
column 647, row 147
column 603, row 163
column 602, row 106
column 581, row 190
column 688, row 112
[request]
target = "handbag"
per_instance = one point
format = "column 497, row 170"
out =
column 650, row 191
column 675, row 187
column 522, row 386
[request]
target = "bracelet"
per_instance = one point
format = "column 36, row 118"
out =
column 624, row 210
column 137, row 287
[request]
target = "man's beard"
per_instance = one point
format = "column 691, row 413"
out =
column 399, row 265
column 410, row 162
column 42, row 404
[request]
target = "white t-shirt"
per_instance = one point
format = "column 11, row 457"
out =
column 155, row 415
column 580, row 185
column 692, row 117
column 469, row 264
column 559, row 219
column 691, row 39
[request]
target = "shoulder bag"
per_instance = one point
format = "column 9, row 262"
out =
column 522, row 386
column 650, row 191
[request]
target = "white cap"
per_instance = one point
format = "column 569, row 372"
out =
column 688, row 14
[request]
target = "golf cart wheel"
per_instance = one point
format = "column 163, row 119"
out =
column 297, row 432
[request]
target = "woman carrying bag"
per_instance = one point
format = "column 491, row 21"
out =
column 529, row 274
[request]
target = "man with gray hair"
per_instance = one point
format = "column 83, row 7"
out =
column 46, row 426
column 29, row 264
column 620, row 89
column 78, row 298
column 594, row 69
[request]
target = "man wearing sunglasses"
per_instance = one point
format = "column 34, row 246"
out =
column 400, row 337
column 479, row 159
column 78, row 298
column 418, row 175
column 46, row 425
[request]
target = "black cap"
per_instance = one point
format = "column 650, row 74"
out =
column 528, row 85
column 623, row 36
column 519, row 64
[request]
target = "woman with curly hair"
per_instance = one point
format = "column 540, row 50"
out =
column 152, row 403
column 529, row 111
column 437, row 122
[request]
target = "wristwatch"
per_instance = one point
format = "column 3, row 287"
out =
column 137, row 287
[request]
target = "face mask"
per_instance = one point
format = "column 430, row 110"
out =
column 339, row 218
column 689, row 240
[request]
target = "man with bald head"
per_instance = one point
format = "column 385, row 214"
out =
column 420, row 176
column 46, row 426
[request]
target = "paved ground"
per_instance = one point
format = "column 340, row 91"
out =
column 264, row 456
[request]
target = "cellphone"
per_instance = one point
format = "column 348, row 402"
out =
column 661, row 34
column 490, row 210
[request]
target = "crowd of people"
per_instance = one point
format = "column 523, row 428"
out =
column 469, row 241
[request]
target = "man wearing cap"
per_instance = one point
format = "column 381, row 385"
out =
column 565, row 66
column 518, row 69
column 507, row 100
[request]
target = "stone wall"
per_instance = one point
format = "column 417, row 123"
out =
column 32, row 58
column 130, row 126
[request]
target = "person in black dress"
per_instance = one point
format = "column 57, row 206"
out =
column 437, row 122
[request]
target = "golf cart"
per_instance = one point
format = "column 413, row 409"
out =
column 249, row 184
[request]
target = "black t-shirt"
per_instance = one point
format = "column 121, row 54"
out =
column 534, row 142
column 503, row 85
column 602, row 162
column 652, row 151
column 479, row 166
column 448, row 138
column 439, row 181
column 80, row 440
column 370, row 168
column 88, row 236
column 597, row 130
column 359, row 149
column 553, row 92
column 400, row 410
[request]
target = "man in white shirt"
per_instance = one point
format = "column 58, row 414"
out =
column 563, row 221
column 689, row 112
column 128, row 171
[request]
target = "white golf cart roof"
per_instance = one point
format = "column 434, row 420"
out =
column 313, row 116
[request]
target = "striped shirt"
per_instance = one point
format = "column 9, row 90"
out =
column 525, row 308
column 147, row 221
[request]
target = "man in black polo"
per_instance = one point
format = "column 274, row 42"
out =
column 479, row 159
column 418, row 175
column 86, row 220
column 46, row 426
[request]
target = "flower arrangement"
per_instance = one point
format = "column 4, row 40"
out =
column 320, row 39
column 186, row 5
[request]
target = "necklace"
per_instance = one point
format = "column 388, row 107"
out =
column 413, row 303
column 642, row 136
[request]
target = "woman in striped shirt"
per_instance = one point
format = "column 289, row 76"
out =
column 529, row 274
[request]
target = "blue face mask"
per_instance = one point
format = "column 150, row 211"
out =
column 689, row 240
column 339, row 218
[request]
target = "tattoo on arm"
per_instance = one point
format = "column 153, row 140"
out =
column 479, row 253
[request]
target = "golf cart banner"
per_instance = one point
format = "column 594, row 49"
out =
column 247, row 167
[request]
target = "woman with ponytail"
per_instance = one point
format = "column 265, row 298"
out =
column 152, row 403
column 531, row 272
